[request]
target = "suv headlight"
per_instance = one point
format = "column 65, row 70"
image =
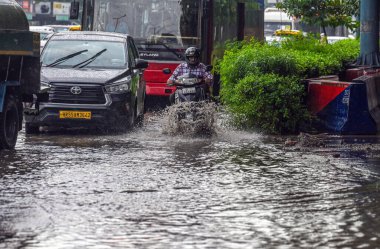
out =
column 44, row 87
column 120, row 86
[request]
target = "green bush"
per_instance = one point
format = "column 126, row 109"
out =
column 262, row 84
column 268, row 102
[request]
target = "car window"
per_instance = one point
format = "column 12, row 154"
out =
column 110, row 54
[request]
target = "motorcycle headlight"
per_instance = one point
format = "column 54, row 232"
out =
column 120, row 86
column 44, row 86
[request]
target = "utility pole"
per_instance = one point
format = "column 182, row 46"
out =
column 369, row 33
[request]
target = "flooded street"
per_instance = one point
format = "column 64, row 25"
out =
column 146, row 189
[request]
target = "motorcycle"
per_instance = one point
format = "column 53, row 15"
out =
column 191, row 111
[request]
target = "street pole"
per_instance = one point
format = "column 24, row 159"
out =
column 369, row 33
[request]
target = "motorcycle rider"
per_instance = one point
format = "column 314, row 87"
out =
column 191, row 66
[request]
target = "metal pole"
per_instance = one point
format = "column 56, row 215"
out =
column 83, row 23
column 369, row 33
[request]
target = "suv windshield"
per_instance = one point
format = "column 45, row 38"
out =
column 58, row 53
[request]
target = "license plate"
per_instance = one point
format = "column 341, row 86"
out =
column 74, row 115
column 188, row 90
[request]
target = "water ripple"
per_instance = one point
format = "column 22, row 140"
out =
column 145, row 189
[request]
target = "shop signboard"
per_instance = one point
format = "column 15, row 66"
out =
column 61, row 8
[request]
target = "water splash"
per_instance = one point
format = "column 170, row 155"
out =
column 190, row 119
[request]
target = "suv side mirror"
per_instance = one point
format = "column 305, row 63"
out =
column 74, row 10
column 140, row 63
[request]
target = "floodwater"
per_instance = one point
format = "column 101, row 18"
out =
column 148, row 189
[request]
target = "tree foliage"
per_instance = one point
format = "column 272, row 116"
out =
column 326, row 13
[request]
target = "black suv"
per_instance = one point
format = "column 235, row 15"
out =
column 92, row 79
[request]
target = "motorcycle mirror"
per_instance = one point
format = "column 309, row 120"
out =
column 166, row 71
column 208, row 68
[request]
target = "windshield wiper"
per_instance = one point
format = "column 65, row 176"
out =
column 65, row 58
column 91, row 59
column 171, row 50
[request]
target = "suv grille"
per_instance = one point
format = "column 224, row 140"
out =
column 90, row 94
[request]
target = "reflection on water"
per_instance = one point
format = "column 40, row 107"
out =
column 146, row 189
